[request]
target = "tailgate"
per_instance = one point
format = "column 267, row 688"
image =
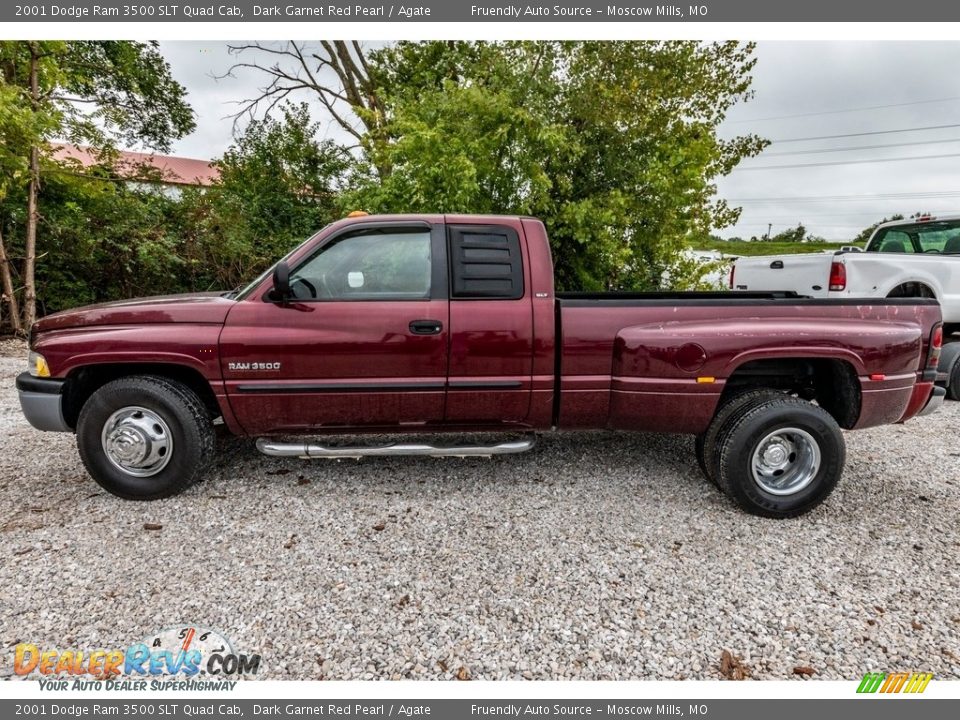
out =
column 806, row 274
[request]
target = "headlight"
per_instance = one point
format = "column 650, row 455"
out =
column 38, row 365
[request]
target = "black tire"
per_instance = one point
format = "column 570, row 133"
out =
column 950, row 364
column 953, row 382
column 810, row 431
column 189, row 434
column 705, row 445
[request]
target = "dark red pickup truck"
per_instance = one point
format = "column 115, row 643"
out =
column 437, row 324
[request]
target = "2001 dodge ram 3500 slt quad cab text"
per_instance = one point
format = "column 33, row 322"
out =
column 434, row 324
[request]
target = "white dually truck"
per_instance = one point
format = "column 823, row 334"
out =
column 919, row 257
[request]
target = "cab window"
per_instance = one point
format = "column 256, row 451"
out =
column 895, row 241
column 373, row 264
column 938, row 237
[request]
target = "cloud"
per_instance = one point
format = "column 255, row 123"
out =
column 800, row 78
column 791, row 78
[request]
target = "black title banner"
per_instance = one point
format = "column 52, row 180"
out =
column 636, row 11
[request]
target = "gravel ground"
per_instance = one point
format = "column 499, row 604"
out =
column 596, row 556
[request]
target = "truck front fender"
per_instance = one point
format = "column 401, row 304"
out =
column 192, row 345
column 90, row 356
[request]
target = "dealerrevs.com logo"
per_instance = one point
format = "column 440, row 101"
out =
column 902, row 682
column 186, row 657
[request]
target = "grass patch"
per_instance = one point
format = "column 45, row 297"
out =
column 746, row 248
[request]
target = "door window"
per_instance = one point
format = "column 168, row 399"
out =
column 392, row 264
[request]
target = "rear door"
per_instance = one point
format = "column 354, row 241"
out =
column 491, row 323
column 363, row 343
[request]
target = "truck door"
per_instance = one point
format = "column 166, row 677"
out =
column 362, row 343
column 491, row 324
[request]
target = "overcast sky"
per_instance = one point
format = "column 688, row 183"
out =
column 834, row 88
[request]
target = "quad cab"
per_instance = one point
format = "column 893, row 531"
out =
column 433, row 324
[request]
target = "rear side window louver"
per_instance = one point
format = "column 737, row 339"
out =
column 485, row 262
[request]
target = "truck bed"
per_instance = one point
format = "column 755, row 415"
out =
column 662, row 361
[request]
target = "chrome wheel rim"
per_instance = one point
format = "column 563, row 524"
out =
column 137, row 441
column 785, row 461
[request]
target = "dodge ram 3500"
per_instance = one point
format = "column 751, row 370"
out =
column 433, row 324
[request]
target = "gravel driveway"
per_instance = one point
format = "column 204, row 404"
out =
column 596, row 556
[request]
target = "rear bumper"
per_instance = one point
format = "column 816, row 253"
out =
column 920, row 398
column 935, row 401
column 41, row 400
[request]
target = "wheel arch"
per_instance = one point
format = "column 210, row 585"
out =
column 85, row 380
column 913, row 288
column 832, row 382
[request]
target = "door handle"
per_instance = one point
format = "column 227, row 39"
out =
column 426, row 327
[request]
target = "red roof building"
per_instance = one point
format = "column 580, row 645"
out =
column 172, row 170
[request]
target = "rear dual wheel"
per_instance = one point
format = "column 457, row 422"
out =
column 950, row 366
column 775, row 455
column 705, row 446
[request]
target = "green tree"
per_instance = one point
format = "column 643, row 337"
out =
column 793, row 234
column 278, row 184
column 613, row 144
column 864, row 235
column 106, row 238
column 18, row 130
column 90, row 92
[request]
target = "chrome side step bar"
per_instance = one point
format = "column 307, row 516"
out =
column 309, row 451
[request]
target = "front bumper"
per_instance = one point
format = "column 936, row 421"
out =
column 41, row 400
column 935, row 401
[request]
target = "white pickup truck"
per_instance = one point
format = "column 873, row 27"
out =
column 919, row 257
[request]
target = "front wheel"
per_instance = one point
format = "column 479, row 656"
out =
column 781, row 459
column 144, row 437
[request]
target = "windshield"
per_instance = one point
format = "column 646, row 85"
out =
column 935, row 237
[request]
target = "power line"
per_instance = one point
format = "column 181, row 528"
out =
column 848, row 162
column 928, row 195
column 838, row 112
column 798, row 222
column 863, row 134
column 859, row 147
column 815, row 215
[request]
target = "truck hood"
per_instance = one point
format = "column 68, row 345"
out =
column 204, row 308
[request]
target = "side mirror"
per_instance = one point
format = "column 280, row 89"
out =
column 281, row 282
